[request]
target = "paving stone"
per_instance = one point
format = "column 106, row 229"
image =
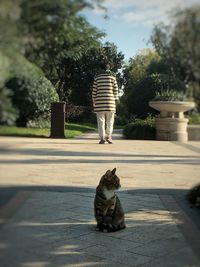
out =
column 147, row 233
column 109, row 263
column 161, row 247
column 76, row 260
column 184, row 257
column 117, row 255
column 62, row 233
column 99, row 238
column 23, row 258
column 142, row 236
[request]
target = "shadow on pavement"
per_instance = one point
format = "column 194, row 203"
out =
column 69, row 157
column 6, row 193
column 48, row 232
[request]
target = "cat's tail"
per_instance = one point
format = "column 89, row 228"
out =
column 109, row 227
column 117, row 228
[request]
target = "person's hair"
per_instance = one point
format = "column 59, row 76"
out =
column 105, row 66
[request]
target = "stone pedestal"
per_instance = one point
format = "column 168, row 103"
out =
column 171, row 125
column 171, row 129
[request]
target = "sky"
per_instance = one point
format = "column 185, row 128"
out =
column 130, row 22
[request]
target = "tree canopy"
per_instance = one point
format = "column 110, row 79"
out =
column 144, row 75
column 85, row 69
column 179, row 46
column 50, row 42
column 25, row 93
column 57, row 36
column 138, row 67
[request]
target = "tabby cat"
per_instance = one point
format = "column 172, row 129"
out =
column 194, row 196
column 108, row 210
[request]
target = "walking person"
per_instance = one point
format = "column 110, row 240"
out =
column 104, row 96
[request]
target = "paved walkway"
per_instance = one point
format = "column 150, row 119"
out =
column 49, row 220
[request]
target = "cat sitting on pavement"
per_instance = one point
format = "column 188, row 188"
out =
column 109, row 213
column 194, row 196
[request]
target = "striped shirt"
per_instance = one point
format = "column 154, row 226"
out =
column 104, row 93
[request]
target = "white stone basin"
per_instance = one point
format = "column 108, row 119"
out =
column 172, row 106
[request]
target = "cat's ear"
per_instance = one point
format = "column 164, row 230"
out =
column 108, row 173
column 113, row 171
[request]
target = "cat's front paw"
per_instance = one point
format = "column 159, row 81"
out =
column 115, row 228
column 101, row 227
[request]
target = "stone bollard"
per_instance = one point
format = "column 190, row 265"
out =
column 57, row 120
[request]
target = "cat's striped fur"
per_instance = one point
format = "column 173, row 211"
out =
column 109, row 213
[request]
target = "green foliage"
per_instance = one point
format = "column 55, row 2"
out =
column 71, row 130
column 140, row 129
column 145, row 74
column 32, row 93
column 10, row 34
column 158, row 67
column 41, row 122
column 22, row 131
column 24, row 91
column 121, row 120
column 122, row 116
column 139, row 67
column 145, row 90
column 4, row 68
column 179, row 46
column 84, row 70
column 58, row 36
column 8, row 114
column 82, row 128
column 170, row 95
column 194, row 118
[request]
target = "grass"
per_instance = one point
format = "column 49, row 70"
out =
column 71, row 130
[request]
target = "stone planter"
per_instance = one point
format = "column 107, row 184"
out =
column 171, row 124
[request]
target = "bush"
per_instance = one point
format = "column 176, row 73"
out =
column 194, row 118
column 32, row 93
column 8, row 114
column 140, row 129
column 145, row 90
column 121, row 120
column 25, row 94
column 122, row 116
column 40, row 123
column 170, row 95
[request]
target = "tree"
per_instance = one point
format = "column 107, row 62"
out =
column 24, row 91
column 138, row 99
column 57, row 36
column 143, row 64
column 89, row 65
column 8, row 114
column 145, row 74
column 179, row 46
column 138, row 67
column 32, row 93
column 10, row 34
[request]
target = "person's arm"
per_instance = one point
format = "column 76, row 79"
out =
column 115, row 89
column 94, row 92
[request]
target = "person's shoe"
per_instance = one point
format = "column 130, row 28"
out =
column 109, row 140
column 102, row 141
